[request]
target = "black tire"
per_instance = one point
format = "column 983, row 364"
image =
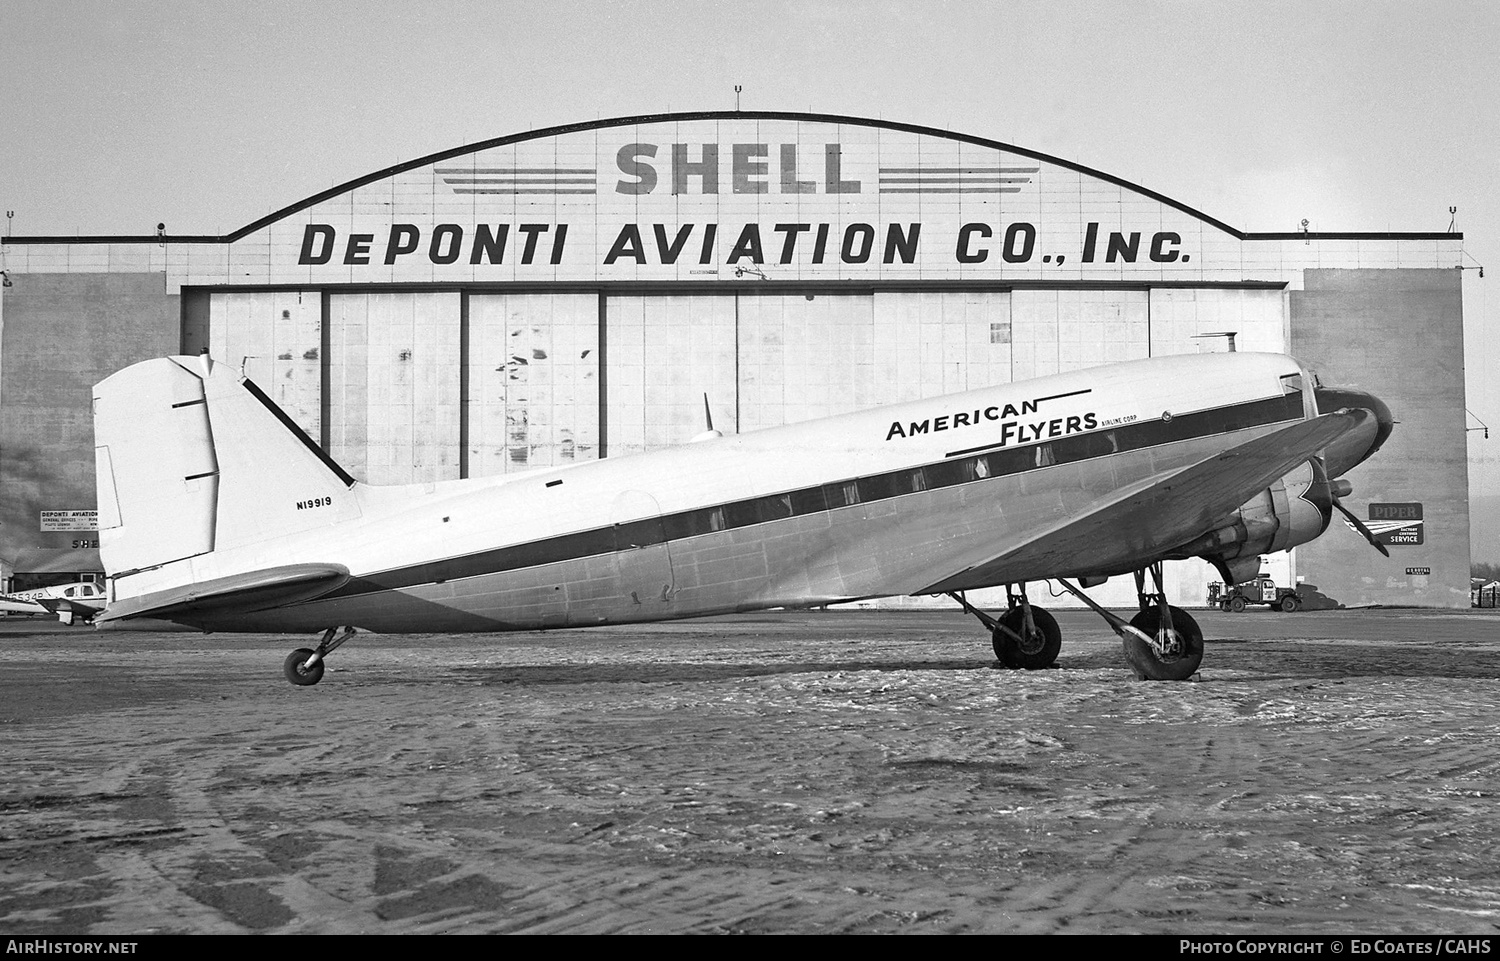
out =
column 1040, row 652
column 1289, row 604
column 1237, row 605
column 1178, row 665
column 299, row 675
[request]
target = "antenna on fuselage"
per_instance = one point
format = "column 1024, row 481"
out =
column 708, row 418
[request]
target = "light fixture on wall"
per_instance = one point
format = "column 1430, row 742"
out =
column 5, row 279
column 1482, row 425
column 1227, row 334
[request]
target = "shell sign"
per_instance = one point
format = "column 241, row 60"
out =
column 726, row 196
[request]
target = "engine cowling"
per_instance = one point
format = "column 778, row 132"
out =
column 1294, row 510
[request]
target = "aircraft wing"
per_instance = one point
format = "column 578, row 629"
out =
column 68, row 610
column 252, row 591
column 1148, row 519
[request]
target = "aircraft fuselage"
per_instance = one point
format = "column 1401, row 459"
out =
column 904, row 499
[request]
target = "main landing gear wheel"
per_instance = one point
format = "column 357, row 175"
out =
column 1174, row 656
column 296, row 670
column 1033, row 651
column 1016, row 647
column 1153, row 652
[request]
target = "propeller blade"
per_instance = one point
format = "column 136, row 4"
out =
column 1358, row 525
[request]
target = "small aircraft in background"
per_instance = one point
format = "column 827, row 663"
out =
column 70, row 602
column 216, row 512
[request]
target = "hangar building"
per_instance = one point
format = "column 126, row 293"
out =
column 573, row 293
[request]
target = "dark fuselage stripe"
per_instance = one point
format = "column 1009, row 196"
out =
column 834, row 496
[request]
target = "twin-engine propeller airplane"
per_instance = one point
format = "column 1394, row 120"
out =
column 217, row 513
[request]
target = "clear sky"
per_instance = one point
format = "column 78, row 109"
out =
column 206, row 115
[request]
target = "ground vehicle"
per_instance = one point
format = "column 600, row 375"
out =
column 1262, row 590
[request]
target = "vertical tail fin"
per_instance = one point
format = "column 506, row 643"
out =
column 191, row 458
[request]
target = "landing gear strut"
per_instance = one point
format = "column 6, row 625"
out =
column 1162, row 642
column 1024, row 637
column 303, row 666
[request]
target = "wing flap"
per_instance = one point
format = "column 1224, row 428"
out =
column 1152, row 517
column 253, row 591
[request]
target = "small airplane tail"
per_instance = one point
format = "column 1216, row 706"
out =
column 192, row 458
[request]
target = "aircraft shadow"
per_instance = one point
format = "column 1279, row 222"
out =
column 663, row 673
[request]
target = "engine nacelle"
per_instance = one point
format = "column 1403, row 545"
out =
column 1294, row 510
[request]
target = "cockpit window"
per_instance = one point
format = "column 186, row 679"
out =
column 1296, row 390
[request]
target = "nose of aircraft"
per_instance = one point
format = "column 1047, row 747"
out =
column 1354, row 447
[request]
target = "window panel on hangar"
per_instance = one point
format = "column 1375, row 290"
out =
column 393, row 391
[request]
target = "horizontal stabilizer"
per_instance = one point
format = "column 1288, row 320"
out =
column 252, row 591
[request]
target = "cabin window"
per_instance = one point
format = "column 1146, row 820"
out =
column 945, row 474
column 742, row 514
column 809, row 501
column 642, row 533
column 878, row 487
column 1045, row 455
column 775, row 507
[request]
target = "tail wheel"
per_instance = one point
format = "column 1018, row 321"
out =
column 1034, row 652
column 296, row 670
column 1180, row 649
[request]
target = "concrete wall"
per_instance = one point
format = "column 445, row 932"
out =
column 64, row 333
column 1398, row 334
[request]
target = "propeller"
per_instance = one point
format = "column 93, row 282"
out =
column 1342, row 488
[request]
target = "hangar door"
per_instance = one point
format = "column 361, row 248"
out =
column 423, row 386
column 275, row 339
column 771, row 359
column 532, row 383
column 393, row 397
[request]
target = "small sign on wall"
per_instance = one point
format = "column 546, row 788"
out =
column 70, row 521
column 1398, row 524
